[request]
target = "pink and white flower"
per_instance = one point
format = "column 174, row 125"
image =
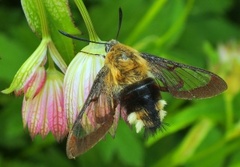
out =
column 29, row 72
column 79, row 78
column 42, row 109
column 45, row 112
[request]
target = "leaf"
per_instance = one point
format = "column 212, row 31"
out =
column 123, row 147
column 33, row 19
column 215, row 155
column 57, row 16
column 60, row 18
column 10, row 59
column 213, row 7
column 188, row 145
column 193, row 139
column 210, row 108
column 12, row 129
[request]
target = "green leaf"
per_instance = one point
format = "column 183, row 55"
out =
column 32, row 16
column 206, row 108
column 10, row 59
column 125, row 146
column 188, row 146
column 235, row 161
column 192, row 140
column 215, row 155
column 11, row 126
column 59, row 18
column 213, row 7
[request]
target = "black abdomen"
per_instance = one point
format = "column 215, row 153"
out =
column 142, row 98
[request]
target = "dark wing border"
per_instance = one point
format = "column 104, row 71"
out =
column 184, row 81
column 79, row 141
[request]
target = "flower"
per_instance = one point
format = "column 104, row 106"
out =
column 31, row 76
column 79, row 78
column 29, row 72
column 42, row 109
column 229, row 55
column 45, row 112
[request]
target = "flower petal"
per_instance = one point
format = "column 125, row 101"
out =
column 28, row 69
column 34, row 85
column 56, row 115
column 78, row 80
column 55, row 55
column 45, row 112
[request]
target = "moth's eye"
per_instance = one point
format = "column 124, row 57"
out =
column 110, row 44
column 107, row 48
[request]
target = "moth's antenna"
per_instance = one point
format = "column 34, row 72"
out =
column 119, row 21
column 78, row 38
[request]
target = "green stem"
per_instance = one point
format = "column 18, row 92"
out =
column 215, row 148
column 175, row 27
column 91, row 31
column 43, row 18
column 151, row 13
column 50, row 62
column 229, row 111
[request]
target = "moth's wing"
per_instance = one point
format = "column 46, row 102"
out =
column 94, row 120
column 184, row 81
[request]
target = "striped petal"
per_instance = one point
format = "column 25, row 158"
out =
column 79, row 78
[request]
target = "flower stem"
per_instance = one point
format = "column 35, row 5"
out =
column 43, row 18
column 92, row 33
column 229, row 111
column 50, row 62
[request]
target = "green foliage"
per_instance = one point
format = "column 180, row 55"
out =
column 199, row 132
column 59, row 18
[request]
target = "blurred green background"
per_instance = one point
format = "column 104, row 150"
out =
column 200, row 133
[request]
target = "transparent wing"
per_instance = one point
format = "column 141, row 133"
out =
column 184, row 81
column 94, row 120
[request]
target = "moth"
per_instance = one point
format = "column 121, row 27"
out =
column 129, row 85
